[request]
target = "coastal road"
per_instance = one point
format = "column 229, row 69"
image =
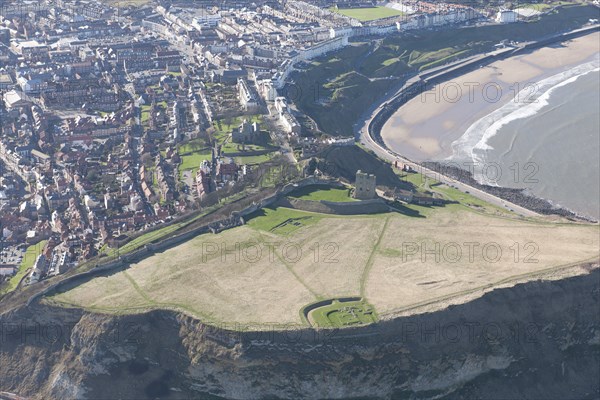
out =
column 386, row 154
column 362, row 130
column 362, row 127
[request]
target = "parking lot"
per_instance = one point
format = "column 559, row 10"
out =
column 11, row 255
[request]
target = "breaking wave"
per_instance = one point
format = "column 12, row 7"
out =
column 473, row 144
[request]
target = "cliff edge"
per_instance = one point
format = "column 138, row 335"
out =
column 539, row 339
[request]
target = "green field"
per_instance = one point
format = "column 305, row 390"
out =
column 430, row 59
column 191, row 161
column 224, row 126
column 368, row 13
column 281, row 221
column 544, row 6
column 317, row 193
column 31, row 254
column 342, row 314
column 230, row 147
column 254, row 159
column 192, row 154
column 146, row 114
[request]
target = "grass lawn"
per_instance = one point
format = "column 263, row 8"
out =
column 317, row 193
column 145, row 114
column 390, row 61
column 369, row 13
column 415, row 178
column 281, row 220
column 191, row 146
column 190, row 159
column 315, row 257
column 223, row 130
column 543, row 7
column 343, row 314
column 465, row 200
column 144, row 239
column 254, row 159
column 31, row 255
column 231, row 147
column 430, row 59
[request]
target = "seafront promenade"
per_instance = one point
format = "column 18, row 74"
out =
column 368, row 130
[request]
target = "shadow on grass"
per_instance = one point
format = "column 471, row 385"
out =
column 404, row 210
column 258, row 213
column 308, row 190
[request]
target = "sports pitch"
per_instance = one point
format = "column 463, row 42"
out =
column 266, row 272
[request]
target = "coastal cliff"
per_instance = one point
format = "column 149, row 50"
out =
column 536, row 340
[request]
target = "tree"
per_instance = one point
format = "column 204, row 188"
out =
column 312, row 166
column 147, row 160
column 195, row 145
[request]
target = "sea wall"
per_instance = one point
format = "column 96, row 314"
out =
column 513, row 195
column 426, row 79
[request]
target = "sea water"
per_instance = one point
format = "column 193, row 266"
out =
column 546, row 139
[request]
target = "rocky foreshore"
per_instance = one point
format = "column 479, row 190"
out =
column 516, row 196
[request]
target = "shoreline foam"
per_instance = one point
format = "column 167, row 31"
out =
column 473, row 144
column 423, row 131
column 425, row 127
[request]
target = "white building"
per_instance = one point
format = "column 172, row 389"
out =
column 506, row 16
column 39, row 268
column 14, row 99
column 266, row 90
column 286, row 119
column 247, row 98
column 206, row 20
column 322, row 48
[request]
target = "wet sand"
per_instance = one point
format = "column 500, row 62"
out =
column 425, row 127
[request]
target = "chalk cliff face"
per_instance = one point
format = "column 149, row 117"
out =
column 535, row 340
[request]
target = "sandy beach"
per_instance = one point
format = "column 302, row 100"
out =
column 425, row 127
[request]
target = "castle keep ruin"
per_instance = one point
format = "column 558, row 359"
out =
column 364, row 186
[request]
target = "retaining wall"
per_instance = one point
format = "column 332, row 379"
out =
column 373, row 206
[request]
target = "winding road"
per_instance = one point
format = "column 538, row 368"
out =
column 362, row 131
column 361, row 128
